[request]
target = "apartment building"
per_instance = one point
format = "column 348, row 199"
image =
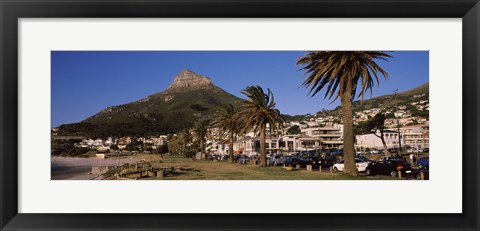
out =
column 416, row 136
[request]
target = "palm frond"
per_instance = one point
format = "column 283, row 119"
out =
column 331, row 70
column 258, row 110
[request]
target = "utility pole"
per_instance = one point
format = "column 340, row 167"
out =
column 244, row 144
column 398, row 123
column 318, row 139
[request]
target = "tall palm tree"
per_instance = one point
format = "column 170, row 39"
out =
column 226, row 119
column 342, row 73
column 258, row 111
column 200, row 131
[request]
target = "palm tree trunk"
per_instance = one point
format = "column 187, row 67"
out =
column 230, row 148
column 385, row 148
column 263, row 151
column 204, row 157
column 348, row 148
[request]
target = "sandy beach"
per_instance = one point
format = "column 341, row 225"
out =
column 74, row 168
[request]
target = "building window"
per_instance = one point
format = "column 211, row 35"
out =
column 290, row 145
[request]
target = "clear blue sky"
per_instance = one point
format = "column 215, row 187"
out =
column 85, row 82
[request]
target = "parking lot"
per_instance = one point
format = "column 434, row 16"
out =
column 370, row 166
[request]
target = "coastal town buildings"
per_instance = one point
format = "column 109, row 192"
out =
column 416, row 136
column 371, row 141
column 321, row 131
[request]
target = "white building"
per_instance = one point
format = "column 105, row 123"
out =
column 416, row 136
column 372, row 141
column 109, row 141
column 325, row 137
column 98, row 142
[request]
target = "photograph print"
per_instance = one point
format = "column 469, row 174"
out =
column 239, row 115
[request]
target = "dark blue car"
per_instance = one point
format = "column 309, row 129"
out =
column 423, row 162
column 291, row 161
column 336, row 153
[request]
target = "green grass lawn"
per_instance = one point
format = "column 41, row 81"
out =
column 187, row 169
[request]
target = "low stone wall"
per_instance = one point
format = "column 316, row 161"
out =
column 97, row 170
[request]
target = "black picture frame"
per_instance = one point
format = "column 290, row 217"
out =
column 12, row 10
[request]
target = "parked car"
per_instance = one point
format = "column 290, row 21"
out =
column 278, row 160
column 213, row 157
column 242, row 160
column 412, row 150
column 336, row 153
column 328, row 161
column 236, row 158
column 314, row 161
column 275, row 160
column 303, row 153
column 423, row 162
column 361, row 152
column 393, row 150
column 364, row 158
column 360, row 164
column 291, row 161
column 383, row 158
column 253, row 159
column 270, row 160
column 389, row 167
column 313, row 152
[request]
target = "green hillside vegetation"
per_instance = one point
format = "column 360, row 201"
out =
column 296, row 117
column 162, row 113
column 161, row 107
column 388, row 101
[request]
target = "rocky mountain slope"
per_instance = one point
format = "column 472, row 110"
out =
column 189, row 97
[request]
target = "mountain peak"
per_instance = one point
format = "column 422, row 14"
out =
column 189, row 97
column 188, row 80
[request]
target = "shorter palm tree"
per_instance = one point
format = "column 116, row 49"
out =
column 186, row 138
column 258, row 111
column 200, row 130
column 226, row 119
